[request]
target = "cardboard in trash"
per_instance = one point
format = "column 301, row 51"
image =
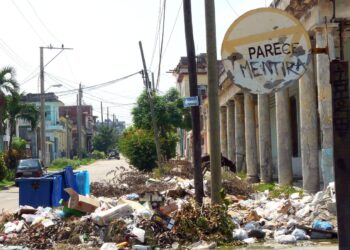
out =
column 80, row 202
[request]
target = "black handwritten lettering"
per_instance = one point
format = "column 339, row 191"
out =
column 254, row 69
column 244, row 68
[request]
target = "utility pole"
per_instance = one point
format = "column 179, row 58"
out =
column 42, row 109
column 108, row 116
column 42, row 98
column 150, row 98
column 79, row 122
column 101, row 113
column 213, row 103
column 196, row 133
column 153, row 85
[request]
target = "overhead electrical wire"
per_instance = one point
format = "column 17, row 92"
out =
column 27, row 21
column 42, row 23
column 100, row 85
column 227, row 1
column 156, row 36
column 161, row 45
column 173, row 28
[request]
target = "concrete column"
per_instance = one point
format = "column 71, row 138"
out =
column 250, row 139
column 308, row 131
column 231, row 148
column 223, row 130
column 265, row 153
column 239, row 133
column 325, row 103
column 284, row 143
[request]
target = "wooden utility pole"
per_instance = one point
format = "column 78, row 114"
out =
column 196, row 130
column 101, row 114
column 213, row 103
column 339, row 77
column 79, row 121
column 150, row 98
column 42, row 98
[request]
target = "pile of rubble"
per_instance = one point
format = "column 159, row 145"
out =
column 139, row 212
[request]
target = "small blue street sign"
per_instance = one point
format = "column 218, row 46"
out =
column 191, row 101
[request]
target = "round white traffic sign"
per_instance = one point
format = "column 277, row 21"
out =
column 265, row 50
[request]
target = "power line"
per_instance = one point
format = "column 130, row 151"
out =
column 161, row 46
column 41, row 21
column 13, row 55
column 173, row 28
column 157, row 32
column 100, row 85
column 227, row 1
column 27, row 21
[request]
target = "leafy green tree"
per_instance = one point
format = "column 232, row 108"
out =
column 105, row 139
column 8, row 85
column 137, row 143
column 16, row 109
column 169, row 112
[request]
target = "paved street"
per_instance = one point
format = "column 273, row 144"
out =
column 98, row 172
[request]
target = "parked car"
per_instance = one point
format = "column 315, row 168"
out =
column 113, row 154
column 30, row 168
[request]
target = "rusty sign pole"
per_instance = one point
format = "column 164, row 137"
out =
column 341, row 134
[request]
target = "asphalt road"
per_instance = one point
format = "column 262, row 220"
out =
column 98, row 172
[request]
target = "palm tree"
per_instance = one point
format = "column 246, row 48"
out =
column 8, row 85
column 16, row 109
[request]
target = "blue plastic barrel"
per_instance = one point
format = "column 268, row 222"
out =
column 44, row 192
column 83, row 182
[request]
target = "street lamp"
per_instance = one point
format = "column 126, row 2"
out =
column 54, row 86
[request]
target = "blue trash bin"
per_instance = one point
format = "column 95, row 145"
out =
column 44, row 192
column 83, row 182
column 68, row 181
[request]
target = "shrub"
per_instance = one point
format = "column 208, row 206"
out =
column 12, row 158
column 64, row 162
column 98, row 154
column 138, row 146
column 19, row 145
column 3, row 168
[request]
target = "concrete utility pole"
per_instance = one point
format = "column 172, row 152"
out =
column 213, row 103
column 42, row 98
column 42, row 109
column 196, row 130
column 265, row 153
column 79, row 121
column 101, row 114
column 151, row 104
column 107, row 116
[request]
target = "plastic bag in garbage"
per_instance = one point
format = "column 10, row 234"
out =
column 323, row 225
column 300, row 234
column 239, row 234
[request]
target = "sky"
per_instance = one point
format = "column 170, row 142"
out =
column 104, row 35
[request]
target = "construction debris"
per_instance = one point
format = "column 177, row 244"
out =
column 135, row 211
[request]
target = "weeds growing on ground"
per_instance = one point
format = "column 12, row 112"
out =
column 277, row 190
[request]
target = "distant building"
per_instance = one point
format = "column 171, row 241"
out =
column 53, row 127
column 87, row 126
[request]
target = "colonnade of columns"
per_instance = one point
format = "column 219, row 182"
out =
column 252, row 153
